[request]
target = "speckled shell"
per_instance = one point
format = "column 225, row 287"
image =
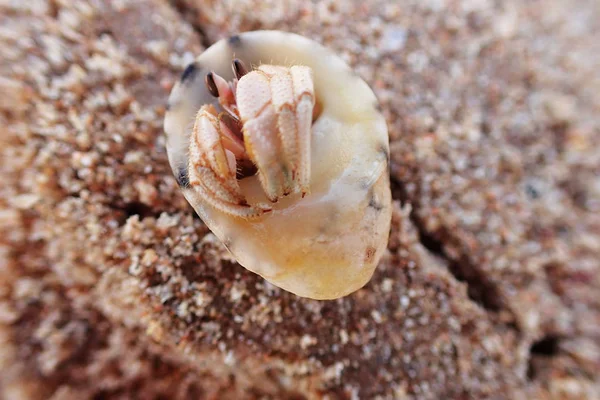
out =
column 325, row 245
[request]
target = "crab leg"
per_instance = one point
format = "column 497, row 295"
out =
column 203, row 194
column 282, row 100
column 285, row 95
column 266, row 126
column 261, row 136
column 212, row 165
column 305, row 103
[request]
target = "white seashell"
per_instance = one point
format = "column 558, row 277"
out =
column 315, row 218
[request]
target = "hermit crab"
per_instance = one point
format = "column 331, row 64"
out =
column 280, row 148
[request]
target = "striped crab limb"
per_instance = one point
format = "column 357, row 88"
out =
column 274, row 106
column 213, row 152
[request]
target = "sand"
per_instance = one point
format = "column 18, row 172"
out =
column 111, row 287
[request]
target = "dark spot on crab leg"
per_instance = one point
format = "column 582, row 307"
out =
column 211, row 85
column 239, row 69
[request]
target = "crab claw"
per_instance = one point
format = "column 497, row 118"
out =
column 265, row 127
column 212, row 165
column 275, row 105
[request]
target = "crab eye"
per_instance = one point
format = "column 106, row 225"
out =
column 239, row 69
column 286, row 162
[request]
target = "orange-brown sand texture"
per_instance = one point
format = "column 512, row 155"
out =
column 111, row 287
